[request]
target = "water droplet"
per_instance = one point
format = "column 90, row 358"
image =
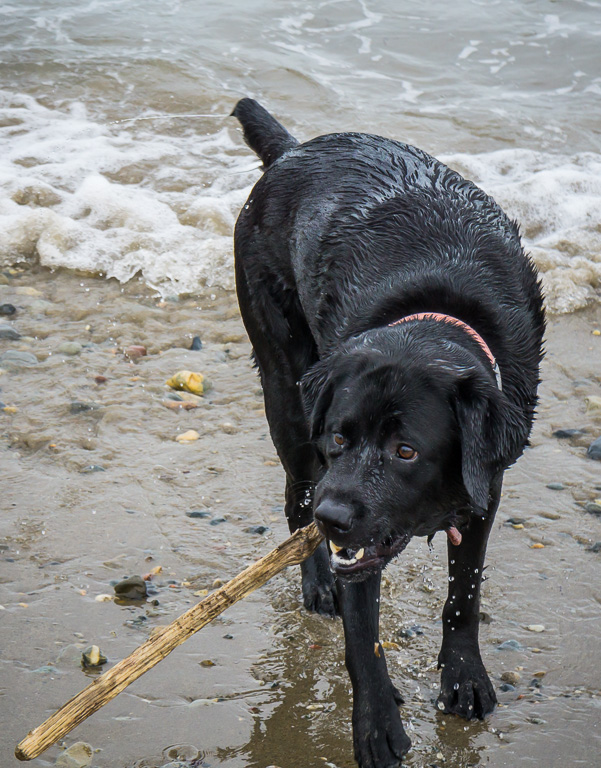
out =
column 451, row 578
column 456, row 687
column 452, row 562
column 457, row 613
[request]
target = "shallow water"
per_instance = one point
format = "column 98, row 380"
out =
column 507, row 93
column 278, row 693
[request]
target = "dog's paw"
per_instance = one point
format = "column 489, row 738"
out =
column 465, row 688
column 379, row 738
column 319, row 584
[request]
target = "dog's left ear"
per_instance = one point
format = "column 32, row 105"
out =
column 493, row 433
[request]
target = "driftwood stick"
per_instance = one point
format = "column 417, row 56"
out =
column 294, row 550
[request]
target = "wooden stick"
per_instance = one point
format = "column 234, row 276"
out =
column 294, row 550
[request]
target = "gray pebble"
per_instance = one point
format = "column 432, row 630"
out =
column 198, row 513
column 217, row 520
column 70, row 348
column 132, row 588
column 593, row 508
column 9, row 333
column 507, row 687
column 77, row 756
column 13, row 359
column 510, row 645
column 594, row 450
column 7, row 309
column 556, row 486
column 196, row 344
column 596, row 547
column 565, row 433
column 91, row 468
column 258, row 529
column 78, row 406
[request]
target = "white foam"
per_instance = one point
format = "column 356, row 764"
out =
column 93, row 197
column 120, row 201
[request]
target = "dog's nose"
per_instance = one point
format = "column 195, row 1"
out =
column 334, row 517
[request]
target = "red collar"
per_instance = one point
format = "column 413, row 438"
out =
column 459, row 324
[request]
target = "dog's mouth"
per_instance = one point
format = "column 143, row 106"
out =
column 345, row 561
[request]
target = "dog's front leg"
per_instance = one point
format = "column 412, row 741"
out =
column 465, row 686
column 379, row 738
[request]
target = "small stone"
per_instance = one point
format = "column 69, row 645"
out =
column 14, row 359
column 77, row 756
column 217, row 521
column 510, row 645
column 228, row 428
column 104, row 598
column 199, row 513
column 7, row 309
column 196, row 344
column 484, row 617
column 79, row 406
column 550, row 515
column 596, row 547
column 388, row 645
column 556, row 486
column 189, row 381
column 217, row 583
column 135, row 351
column 535, row 628
column 100, row 379
column 593, row 507
column 9, row 333
column 513, row 678
column 207, row 663
column 594, row 450
column 228, row 637
column 515, row 521
column 70, row 348
column 562, row 434
column 132, row 588
column 593, row 403
column 540, row 673
column 258, row 529
column 187, row 437
column 91, row 468
column 507, row 687
column 537, row 545
column 27, row 290
column 92, row 657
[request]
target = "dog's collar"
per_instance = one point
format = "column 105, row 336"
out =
column 459, row 324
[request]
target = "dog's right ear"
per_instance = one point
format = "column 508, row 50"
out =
column 317, row 389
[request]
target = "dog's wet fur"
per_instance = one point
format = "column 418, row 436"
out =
column 387, row 431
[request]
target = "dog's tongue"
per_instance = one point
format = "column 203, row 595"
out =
column 454, row 536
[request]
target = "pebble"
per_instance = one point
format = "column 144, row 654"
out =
column 9, row 333
column 188, row 437
column 100, row 379
column 134, row 351
column 510, row 645
column 565, row 433
column 104, row 598
column 535, row 628
column 596, row 547
column 507, row 687
column 189, row 381
column 217, row 521
column 77, row 756
column 7, row 309
column 207, row 663
column 91, row 468
column 593, row 403
column 93, row 657
column 27, row 290
column 79, row 406
column 593, row 507
column 132, row 588
column 198, row 513
column 511, row 677
column 537, row 545
column 13, row 359
column 515, row 521
column 556, row 486
column 594, row 450
column 228, row 428
column 70, row 348
column 258, row 529
column 196, row 344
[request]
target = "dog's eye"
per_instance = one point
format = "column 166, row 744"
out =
column 338, row 439
column 406, row 452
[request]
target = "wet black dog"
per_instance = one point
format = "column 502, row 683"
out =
column 397, row 326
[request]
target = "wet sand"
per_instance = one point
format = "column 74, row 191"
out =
column 278, row 693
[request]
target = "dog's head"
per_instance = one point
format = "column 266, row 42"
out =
column 409, row 437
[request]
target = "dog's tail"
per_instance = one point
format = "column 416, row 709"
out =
column 262, row 132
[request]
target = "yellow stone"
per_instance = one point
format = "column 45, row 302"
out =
column 188, row 437
column 537, row 545
column 188, row 381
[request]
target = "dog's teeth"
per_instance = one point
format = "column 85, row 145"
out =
column 334, row 547
column 359, row 553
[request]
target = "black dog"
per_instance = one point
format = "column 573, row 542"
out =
column 397, row 327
